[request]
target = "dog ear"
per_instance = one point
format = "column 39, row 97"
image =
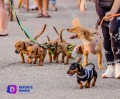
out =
column 86, row 33
column 61, row 35
column 76, row 22
column 81, row 68
column 81, row 48
column 56, row 44
column 48, row 38
column 36, row 50
column 25, row 45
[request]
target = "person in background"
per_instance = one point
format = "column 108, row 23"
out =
column 24, row 4
column 3, row 19
column 53, row 3
column 42, row 8
column 111, row 33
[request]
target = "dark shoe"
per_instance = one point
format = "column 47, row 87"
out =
column 3, row 34
column 46, row 15
column 39, row 15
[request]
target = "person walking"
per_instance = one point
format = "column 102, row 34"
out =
column 3, row 19
column 53, row 3
column 42, row 8
column 111, row 33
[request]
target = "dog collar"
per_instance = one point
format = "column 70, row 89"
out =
column 69, row 51
column 52, row 52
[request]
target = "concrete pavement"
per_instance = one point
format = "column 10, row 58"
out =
column 50, row 81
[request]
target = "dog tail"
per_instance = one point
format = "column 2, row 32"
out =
column 35, row 38
column 91, row 64
column 61, row 34
column 48, row 38
column 56, row 31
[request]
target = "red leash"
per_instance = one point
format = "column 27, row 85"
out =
column 113, row 15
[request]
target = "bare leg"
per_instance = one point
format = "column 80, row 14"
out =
column 39, row 4
column 45, row 8
column 3, row 19
column 27, row 5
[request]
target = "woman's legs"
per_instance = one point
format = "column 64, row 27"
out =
column 53, row 3
column 107, row 43
column 3, row 19
column 115, row 38
column 45, row 8
column 106, row 35
column 39, row 4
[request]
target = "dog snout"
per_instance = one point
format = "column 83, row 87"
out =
column 16, row 51
column 30, row 57
column 67, row 29
column 52, row 49
column 68, row 72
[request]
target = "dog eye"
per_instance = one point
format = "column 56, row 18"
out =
column 32, row 51
column 18, row 45
column 72, row 67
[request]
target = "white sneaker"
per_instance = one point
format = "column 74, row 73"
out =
column 109, row 73
column 117, row 70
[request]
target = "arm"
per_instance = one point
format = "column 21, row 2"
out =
column 115, row 6
column 114, row 10
column 83, row 7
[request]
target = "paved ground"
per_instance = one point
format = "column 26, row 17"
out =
column 50, row 81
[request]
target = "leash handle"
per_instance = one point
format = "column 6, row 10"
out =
column 113, row 15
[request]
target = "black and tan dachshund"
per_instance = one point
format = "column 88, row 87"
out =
column 84, row 74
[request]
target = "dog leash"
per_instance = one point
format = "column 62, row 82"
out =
column 113, row 15
column 21, row 26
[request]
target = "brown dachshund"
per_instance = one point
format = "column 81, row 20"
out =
column 21, row 46
column 91, row 41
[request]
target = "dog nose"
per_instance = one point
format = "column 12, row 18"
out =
column 16, row 51
column 30, row 57
column 68, row 72
column 67, row 29
column 52, row 48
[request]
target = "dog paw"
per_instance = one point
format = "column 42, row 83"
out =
column 93, row 84
column 23, row 62
column 81, row 87
column 87, row 86
column 65, row 63
column 40, row 64
column 61, row 61
column 100, row 67
column 50, row 62
column 57, row 62
column 34, row 62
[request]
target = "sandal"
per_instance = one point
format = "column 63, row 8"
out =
column 54, row 9
column 46, row 15
column 39, row 15
column 3, row 34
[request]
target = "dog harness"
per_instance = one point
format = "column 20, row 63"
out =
column 76, row 55
column 88, row 74
column 69, row 51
